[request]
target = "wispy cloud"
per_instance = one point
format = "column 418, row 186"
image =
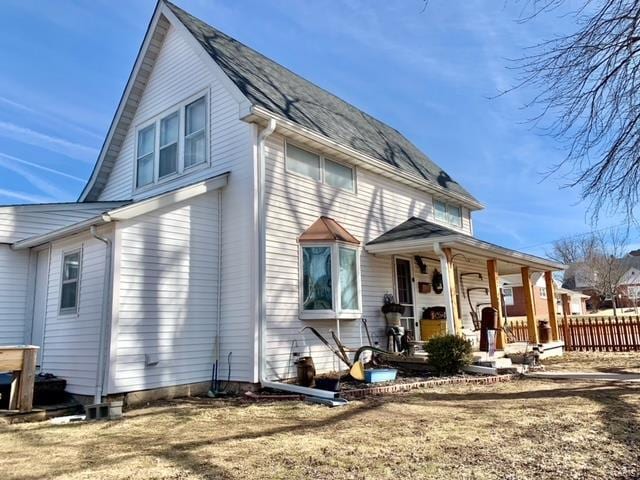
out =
column 23, row 196
column 48, row 142
column 41, row 167
column 40, row 183
column 49, row 116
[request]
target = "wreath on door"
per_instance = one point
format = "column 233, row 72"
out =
column 436, row 281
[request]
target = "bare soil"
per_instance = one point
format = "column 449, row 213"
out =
column 517, row 430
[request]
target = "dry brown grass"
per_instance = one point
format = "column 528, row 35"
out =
column 523, row 429
column 614, row 362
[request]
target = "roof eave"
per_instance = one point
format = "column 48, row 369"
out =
column 258, row 113
column 470, row 244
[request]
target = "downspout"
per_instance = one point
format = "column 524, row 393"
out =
column 444, row 266
column 219, row 292
column 106, row 299
column 262, row 275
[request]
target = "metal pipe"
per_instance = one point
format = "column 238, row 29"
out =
column 104, row 321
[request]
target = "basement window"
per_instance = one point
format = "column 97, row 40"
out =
column 69, row 286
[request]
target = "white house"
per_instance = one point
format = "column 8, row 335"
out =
column 232, row 204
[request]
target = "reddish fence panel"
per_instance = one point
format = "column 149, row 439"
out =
column 605, row 334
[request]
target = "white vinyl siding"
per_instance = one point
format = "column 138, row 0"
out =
column 378, row 205
column 14, row 292
column 179, row 74
column 167, row 297
column 24, row 221
column 70, row 343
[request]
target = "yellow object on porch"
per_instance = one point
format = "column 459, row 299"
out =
column 432, row 328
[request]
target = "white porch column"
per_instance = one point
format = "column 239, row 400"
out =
column 446, row 290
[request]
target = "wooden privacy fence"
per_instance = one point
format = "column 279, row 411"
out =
column 591, row 333
column 606, row 334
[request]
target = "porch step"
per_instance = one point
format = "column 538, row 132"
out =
column 503, row 362
column 484, row 370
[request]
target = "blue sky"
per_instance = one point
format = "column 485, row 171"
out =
column 431, row 74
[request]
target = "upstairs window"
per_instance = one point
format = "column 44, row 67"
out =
column 69, row 286
column 194, row 140
column 543, row 292
column 318, row 168
column 162, row 151
column 146, row 155
column 447, row 213
column 329, row 271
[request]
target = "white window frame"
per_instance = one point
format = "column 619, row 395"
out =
column 70, row 310
column 543, row 292
column 508, row 299
column 447, row 206
column 180, row 108
column 336, row 288
column 322, row 157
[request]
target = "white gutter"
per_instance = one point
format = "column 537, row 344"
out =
column 410, row 179
column 61, row 232
column 262, row 304
column 446, row 285
column 105, row 323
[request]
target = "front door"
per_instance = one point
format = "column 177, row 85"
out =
column 404, row 293
column 39, row 301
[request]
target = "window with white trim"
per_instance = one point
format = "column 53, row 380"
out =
column 70, row 282
column 330, row 281
column 507, row 295
column 543, row 292
column 447, row 213
column 319, row 168
column 172, row 143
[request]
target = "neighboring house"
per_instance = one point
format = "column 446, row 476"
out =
column 514, row 298
column 234, row 203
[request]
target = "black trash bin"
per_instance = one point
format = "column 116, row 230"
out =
column 489, row 321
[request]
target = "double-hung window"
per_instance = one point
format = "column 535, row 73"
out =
column 172, row 142
column 447, row 213
column 507, row 294
column 70, row 283
column 194, row 140
column 330, row 281
column 317, row 167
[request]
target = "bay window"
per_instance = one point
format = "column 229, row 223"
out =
column 330, row 281
column 172, row 142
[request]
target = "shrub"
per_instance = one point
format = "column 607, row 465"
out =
column 448, row 353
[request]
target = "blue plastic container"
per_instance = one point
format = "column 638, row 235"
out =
column 378, row 375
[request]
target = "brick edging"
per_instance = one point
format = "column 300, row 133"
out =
column 405, row 387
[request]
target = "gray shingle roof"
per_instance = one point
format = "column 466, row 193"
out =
column 413, row 229
column 273, row 87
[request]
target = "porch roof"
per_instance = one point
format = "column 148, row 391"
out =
column 417, row 234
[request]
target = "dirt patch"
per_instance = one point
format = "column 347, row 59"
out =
column 610, row 362
column 516, row 430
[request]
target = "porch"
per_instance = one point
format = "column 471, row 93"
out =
column 440, row 269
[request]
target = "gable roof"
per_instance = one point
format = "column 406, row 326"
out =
column 268, row 84
column 327, row 229
column 413, row 229
column 274, row 88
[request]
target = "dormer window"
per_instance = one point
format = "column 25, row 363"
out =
column 329, row 272
column 172, row 143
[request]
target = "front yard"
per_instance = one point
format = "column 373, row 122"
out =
column 608, row 362
column 518, row 430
